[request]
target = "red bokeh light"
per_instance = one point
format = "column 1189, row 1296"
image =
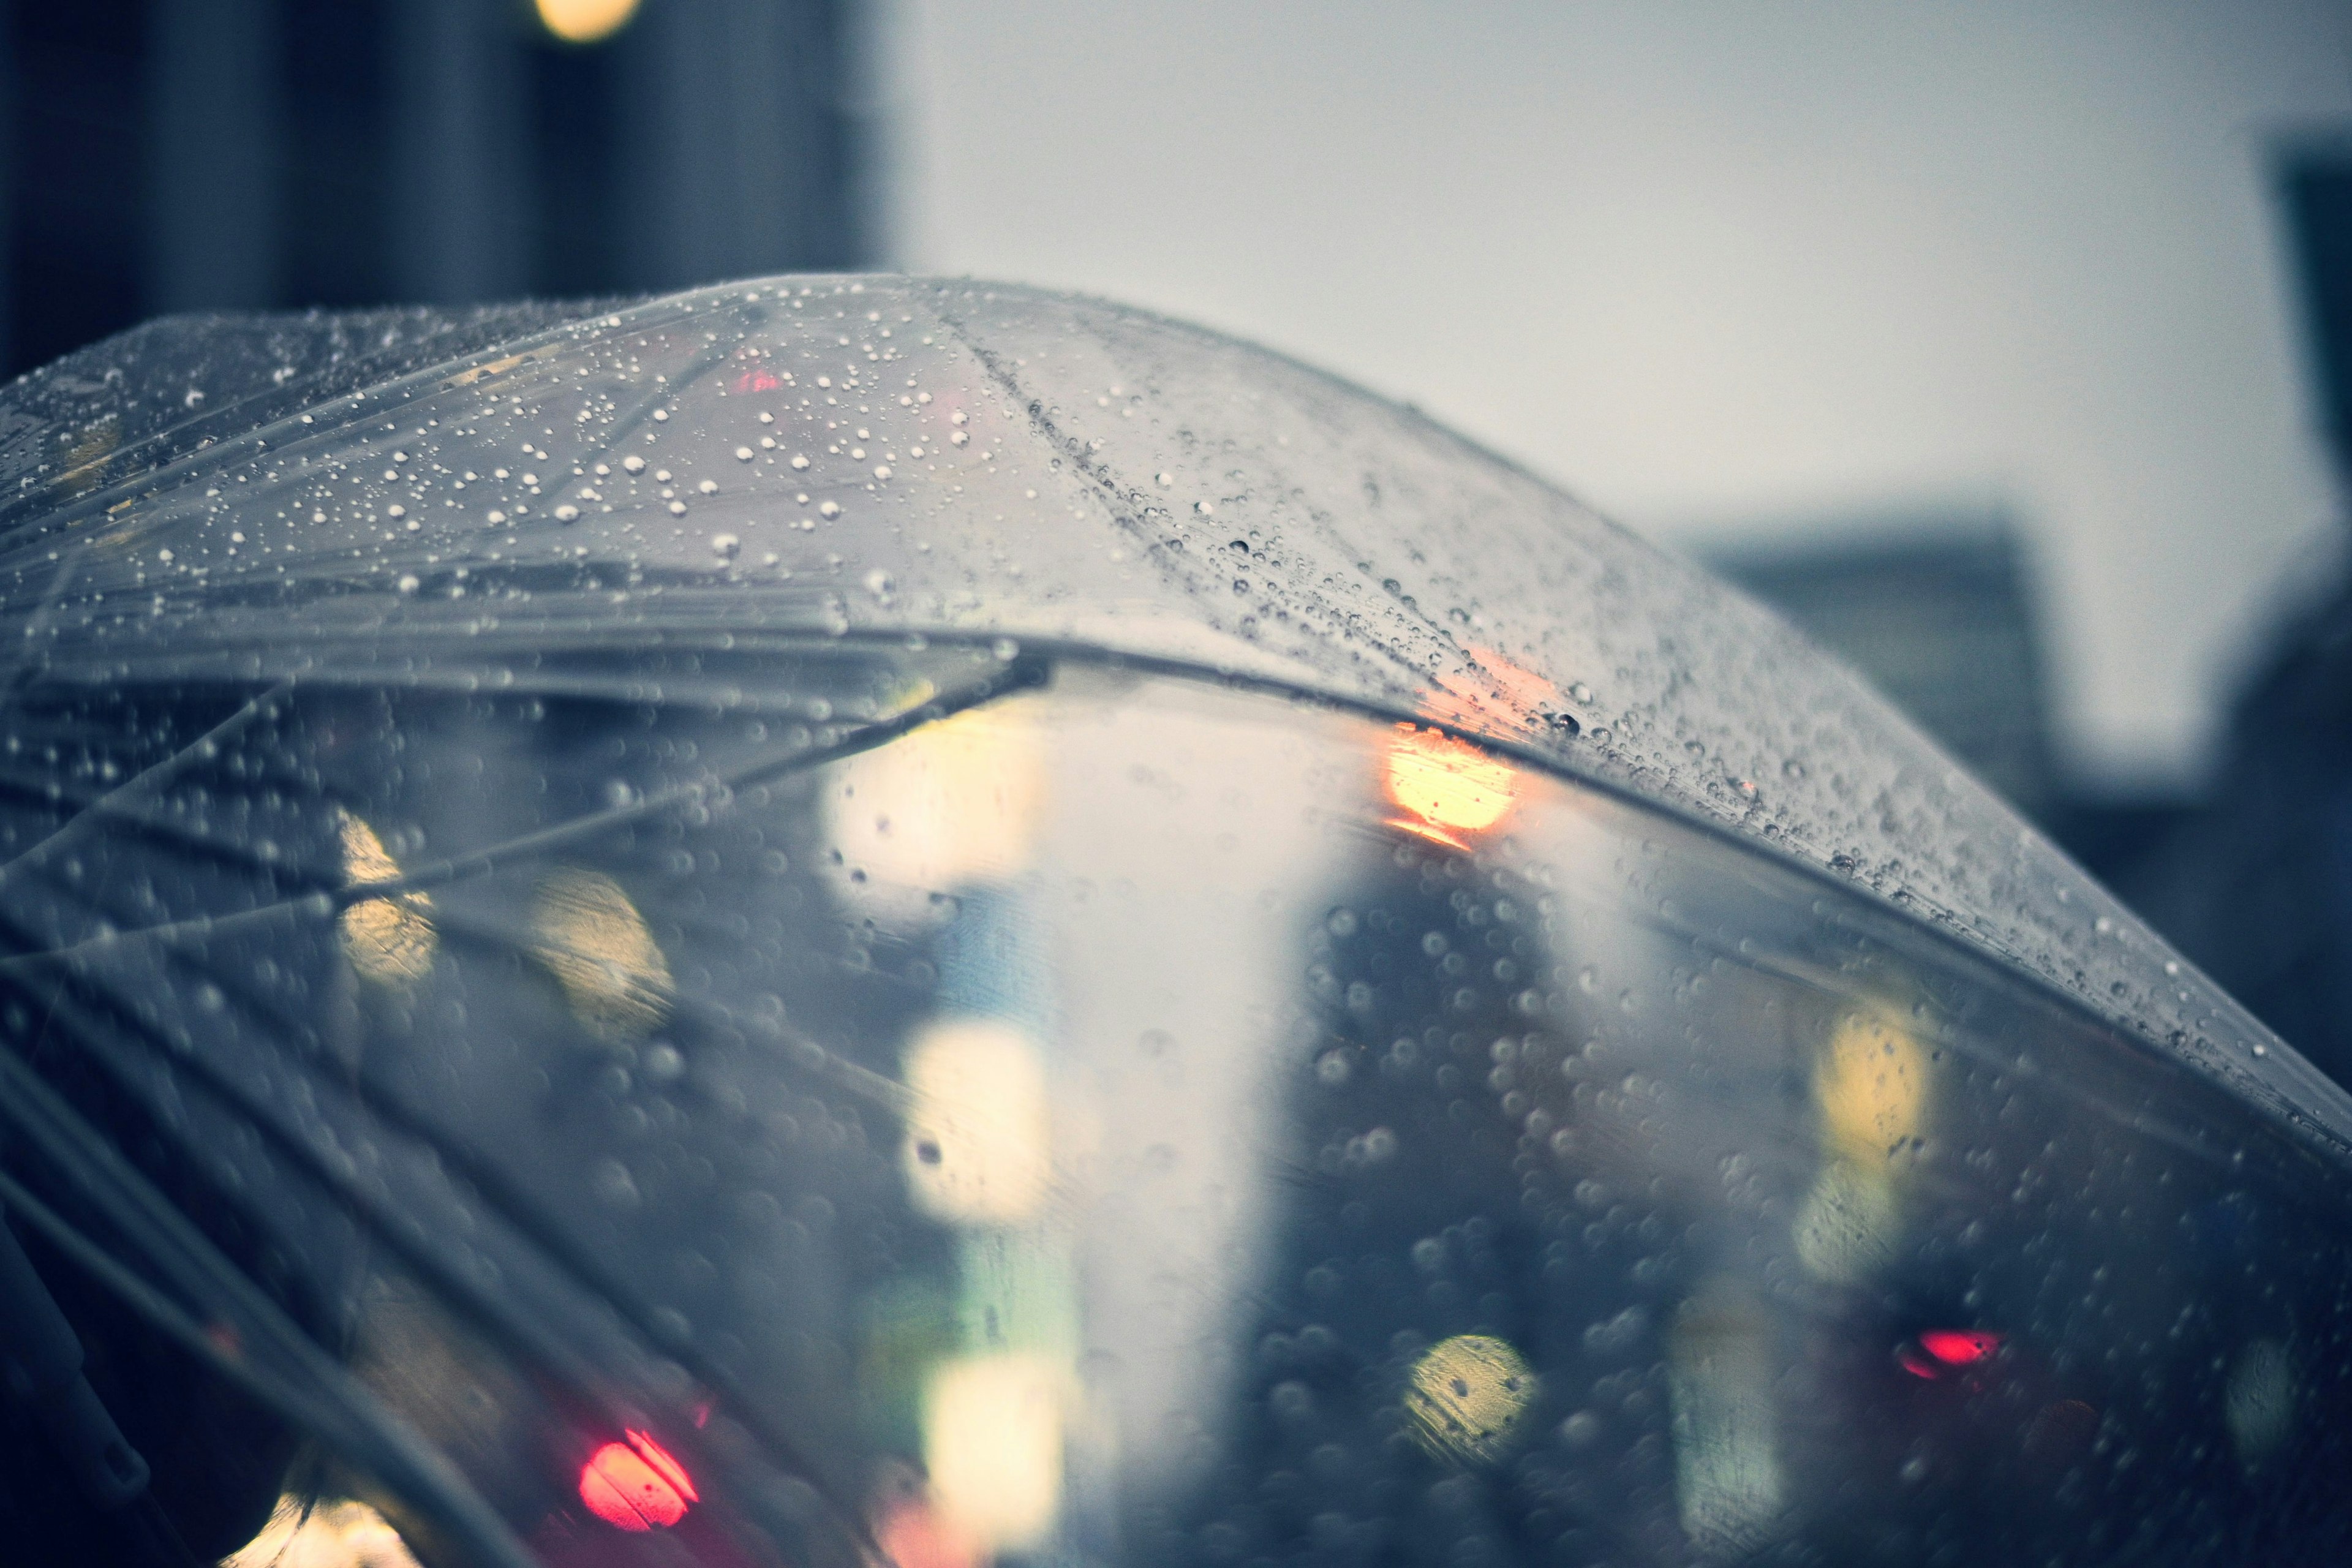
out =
column 1938, row 1352
column 636, row 1486
column 1959, row 1347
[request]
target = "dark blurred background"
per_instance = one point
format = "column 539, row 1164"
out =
column 167, row 155
column 1760, row 270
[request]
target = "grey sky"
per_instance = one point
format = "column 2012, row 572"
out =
column 1707, row 263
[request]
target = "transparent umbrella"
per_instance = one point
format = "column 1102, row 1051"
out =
column 838, row 921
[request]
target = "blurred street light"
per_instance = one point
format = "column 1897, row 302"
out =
column 585, row 21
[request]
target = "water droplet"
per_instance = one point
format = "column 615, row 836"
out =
column 677, row 509
column 799, row 461
column 567, row 513
column 743, row 454
column 1166, row 479
column 708, row 486
column 725, row 546
column 634, row 464
column 1579, row 692
column 830, row 509
column 497, row 516
column 1206, row 508
column 660, row 415
column 612, row 1182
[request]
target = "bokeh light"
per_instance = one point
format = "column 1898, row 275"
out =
column 585, row 21
column 636, row 1486
column 1448, row 787
column 1467, row 1396
column 389, row 941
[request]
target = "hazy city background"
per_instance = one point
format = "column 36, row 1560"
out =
column 1992, row 341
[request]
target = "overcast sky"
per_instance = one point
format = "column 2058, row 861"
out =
column 1712, row 264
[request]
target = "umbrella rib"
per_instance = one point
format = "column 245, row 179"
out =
column 713, row 791
column 143, row 786
column 133, row 1204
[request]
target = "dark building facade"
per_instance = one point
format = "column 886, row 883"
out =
column 163, row 155
column 2256, row 885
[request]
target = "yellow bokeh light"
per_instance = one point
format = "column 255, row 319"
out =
column 979, row 1147
column 1872, row 1086
column 1469, row 1397
column 388, row 941
column 954, row 803
column 992, row 1442
column 585, row 21
column 334, row 1534
column 601, row 952
column 1448, row 787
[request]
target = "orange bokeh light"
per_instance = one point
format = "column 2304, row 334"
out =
column 1449, row 787
column 636, row 1486
column 914, row 1534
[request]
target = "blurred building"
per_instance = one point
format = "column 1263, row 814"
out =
column 2253, row 880
column 1937, row 613
column 2257, row 886
column 159, row 156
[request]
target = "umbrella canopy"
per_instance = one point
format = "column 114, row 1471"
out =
column 849, row 915
column 459, row 492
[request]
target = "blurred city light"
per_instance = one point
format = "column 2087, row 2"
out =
column 389, row 941
column 636, row 1486
column 585, row 21
column 1466, row 1397
column 979, row 1138
column 992, row 1443
column 1728, row 1486
column 1448, row 787
column 1871, row 1088
column 304, row 1533
column 957, row 802
column 592, row 940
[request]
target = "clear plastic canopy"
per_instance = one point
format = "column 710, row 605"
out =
column 844, row 917
column 1085, row 473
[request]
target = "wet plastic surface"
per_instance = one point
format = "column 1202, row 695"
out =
column 1109, row 465
column 828, row 916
